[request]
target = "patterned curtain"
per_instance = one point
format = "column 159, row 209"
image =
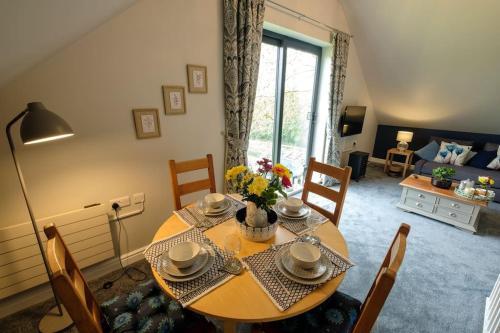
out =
column 243, row 22
column 340, row 42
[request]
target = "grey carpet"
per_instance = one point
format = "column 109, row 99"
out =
column 442, row 285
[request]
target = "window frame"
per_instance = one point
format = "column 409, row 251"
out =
column 283, row 42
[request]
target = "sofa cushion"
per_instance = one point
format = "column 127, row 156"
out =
column 495, row 164
column 462, row 172
column 429, row 151
column 439, row 139
column 482, row 159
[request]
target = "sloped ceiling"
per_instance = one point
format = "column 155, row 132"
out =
column 31, row 30
column 430, row 63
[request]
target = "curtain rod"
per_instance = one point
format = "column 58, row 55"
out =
column 301, row 16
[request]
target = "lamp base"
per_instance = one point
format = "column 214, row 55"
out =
column 402, row 146
column 53, row 322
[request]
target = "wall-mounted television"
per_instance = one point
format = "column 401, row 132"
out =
column 351, row 120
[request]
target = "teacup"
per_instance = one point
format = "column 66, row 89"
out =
column 305, row 255
column 184, row 254
column 293, row 204
column 214, row 200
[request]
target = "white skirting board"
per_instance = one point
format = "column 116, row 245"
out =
column 43, row 292
column 492, row 310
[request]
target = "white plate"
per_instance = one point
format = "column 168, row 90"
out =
column 296, row 270
column 221, row 210
column 302, row 213
column 208, row 265
column 169, row 267
column 311, row 282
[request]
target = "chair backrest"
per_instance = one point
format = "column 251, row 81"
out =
column 343, row 175
column 70, row 285
column 195, row 186
column 383, row 283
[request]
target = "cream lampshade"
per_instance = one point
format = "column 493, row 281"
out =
column 404, row 137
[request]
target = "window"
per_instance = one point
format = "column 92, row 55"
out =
column 285, row 105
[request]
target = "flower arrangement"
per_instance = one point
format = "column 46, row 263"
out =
column 260, row 187
column 485, row 181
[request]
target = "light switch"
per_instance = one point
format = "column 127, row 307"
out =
column 138, row 198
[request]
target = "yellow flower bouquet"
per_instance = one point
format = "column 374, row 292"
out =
column 260, row 187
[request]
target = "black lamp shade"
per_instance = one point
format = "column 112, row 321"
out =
column 41, row 125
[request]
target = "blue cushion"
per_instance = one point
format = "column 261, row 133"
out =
column 482, row 159
column 337, row 314
column 429, row 151
column 147, row 309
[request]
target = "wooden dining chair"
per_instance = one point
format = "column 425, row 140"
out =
column 145, row 309
column 177, row 168
column 343, row 175
column 342, row 313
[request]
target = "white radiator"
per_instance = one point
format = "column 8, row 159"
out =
column 492, row 310
column 86, row 232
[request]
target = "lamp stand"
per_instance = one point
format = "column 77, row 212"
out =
column 57, row 319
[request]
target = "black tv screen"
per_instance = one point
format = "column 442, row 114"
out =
column 351, row 121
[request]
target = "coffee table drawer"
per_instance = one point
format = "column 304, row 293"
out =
column 420, row 196
column 425, row 206
column 453, row 215
column 461, row 207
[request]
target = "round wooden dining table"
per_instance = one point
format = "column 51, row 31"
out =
column 241, row 299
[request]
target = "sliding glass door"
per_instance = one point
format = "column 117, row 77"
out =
column 285, row 105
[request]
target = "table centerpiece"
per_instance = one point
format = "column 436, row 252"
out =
column 260, row 190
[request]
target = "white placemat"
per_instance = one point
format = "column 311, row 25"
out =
column 265, row 273
column 189, row 291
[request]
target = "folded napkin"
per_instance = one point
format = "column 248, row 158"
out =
column 191, row 215
column 189, row 291
column 264, row 271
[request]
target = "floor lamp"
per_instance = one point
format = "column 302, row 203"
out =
column 40, row 125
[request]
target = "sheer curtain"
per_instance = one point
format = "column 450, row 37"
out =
column 243, row 22
column 340, row 43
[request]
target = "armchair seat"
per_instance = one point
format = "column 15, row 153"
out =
column 337, row 314
column 147, row 309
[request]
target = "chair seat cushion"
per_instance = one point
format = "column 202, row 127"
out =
column 147, row 309
column 337, row 314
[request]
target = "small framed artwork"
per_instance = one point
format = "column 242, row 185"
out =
column 174, row 99
column 197, row 79
column 146, row 123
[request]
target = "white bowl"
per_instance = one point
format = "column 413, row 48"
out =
column 293, row 204
column 305, row 255
column 184, row 254
column 215, row 200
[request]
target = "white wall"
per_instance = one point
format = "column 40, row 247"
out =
column 94, row 84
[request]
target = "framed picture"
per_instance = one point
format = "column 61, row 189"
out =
column 197, row 79
column 174, row 100
column 146, row 123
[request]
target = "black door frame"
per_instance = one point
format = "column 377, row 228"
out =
column 283, row 42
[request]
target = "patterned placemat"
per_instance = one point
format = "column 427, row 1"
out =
column 191, row 215
column 189, row 291
column 276, row 285
column 299, row 226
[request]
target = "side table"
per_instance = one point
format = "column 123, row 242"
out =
column 391, row 167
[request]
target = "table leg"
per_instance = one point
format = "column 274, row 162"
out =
column 406, row 165
column 386, row 161
column 230, row 326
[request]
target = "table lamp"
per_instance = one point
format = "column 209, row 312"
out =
column 40, row 125
column 404, row 137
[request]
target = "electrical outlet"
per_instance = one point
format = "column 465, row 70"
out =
column 122, row 201
column 137, row 198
